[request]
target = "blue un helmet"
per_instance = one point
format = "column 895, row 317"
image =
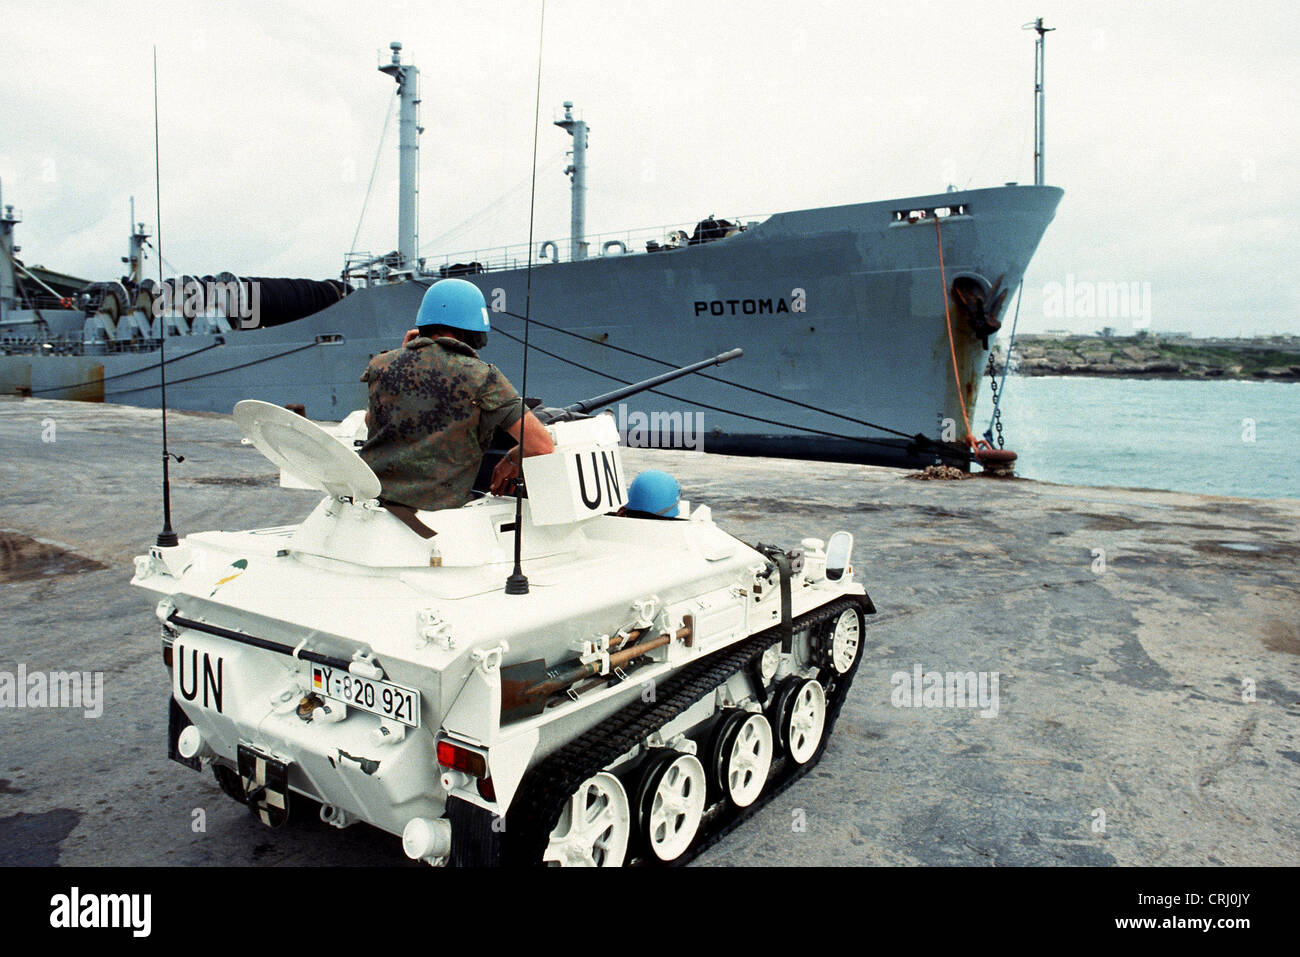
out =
column 655, row 493
column 455, row 303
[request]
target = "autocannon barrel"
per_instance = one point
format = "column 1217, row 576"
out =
column 588, row 405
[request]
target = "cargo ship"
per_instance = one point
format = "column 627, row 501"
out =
column 866, row 327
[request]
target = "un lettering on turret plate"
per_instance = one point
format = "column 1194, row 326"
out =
column 582, row 478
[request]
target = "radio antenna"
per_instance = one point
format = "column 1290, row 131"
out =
column 517, row 583
column 166, row 538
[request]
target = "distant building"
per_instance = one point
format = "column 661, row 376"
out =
column 1057, row 333
column 1173, row 335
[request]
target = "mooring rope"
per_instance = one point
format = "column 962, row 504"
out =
column 119, row 375
column 952, row 347
column 704, row 375
column 921, row 441
column 208, row 375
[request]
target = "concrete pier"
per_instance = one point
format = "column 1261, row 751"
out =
column 1145, row 648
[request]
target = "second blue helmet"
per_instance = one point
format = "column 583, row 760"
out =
column 456, row 303
column 654, row 492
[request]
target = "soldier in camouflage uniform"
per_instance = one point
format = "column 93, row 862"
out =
column 434, row 405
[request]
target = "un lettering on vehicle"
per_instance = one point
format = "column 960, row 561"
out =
column 578, row 483
column 599, row 479
column 200, row 677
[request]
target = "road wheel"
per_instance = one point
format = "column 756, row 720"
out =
column 746, row 760
column 594, row 826
column 671, row 803
column 801, row 718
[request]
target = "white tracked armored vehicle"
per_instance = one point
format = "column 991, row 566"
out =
column 659, row 682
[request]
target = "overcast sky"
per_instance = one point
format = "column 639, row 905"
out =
column 1171, row 126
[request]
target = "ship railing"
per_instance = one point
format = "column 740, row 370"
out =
column 48, row 303
column 628, row 242
column 364, row 267
column 65, row 346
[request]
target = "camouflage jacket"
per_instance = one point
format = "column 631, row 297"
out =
column 433, row 407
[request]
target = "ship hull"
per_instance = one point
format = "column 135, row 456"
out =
column 842, row 309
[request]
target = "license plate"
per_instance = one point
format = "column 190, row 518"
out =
column 366, row 694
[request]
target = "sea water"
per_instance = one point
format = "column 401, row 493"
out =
column 1237, row 438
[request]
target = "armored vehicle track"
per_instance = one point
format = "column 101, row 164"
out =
column 578, row 777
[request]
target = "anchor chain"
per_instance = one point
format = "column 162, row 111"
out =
column 997, row 405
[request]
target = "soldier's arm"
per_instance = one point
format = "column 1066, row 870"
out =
column 536, row 441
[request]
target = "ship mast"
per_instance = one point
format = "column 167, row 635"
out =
column 8, row 285
column 577, row 173
column 409, row 130
column 135, row 258
column 1040, row 99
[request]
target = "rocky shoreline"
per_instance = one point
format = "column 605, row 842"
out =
column 1275, row 359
